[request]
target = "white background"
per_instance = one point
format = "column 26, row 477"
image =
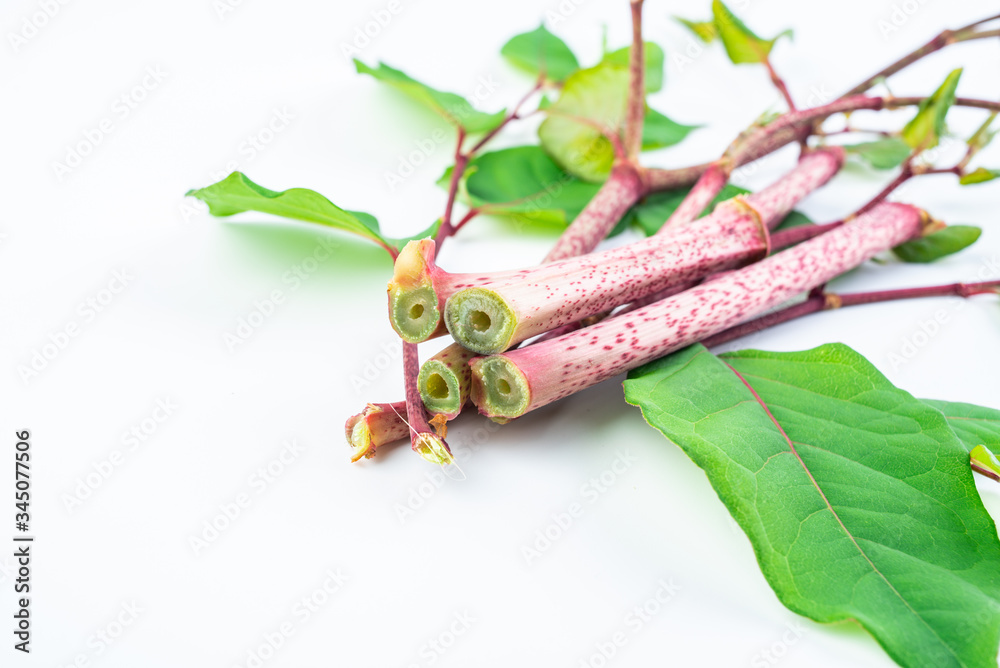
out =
column 318, row 357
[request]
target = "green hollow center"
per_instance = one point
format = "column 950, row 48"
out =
column 504, row 391
column 414, row 313
column 480, row 321
column 437, row 387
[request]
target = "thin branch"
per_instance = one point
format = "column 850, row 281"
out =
column 827, row 301
column 636, row 110
column 779, row 83
column 963, row 34
column 512, row 116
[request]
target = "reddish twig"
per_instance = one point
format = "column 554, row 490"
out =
column 636, row 109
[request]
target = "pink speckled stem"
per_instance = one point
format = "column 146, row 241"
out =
column 772, row 203
column 813, row 170
column 555, row 369
column 700, row 196
column 563, row 292
column 618, row 194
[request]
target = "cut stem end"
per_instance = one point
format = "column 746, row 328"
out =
column 481, row 320
column 499, row 389
column 440, row 389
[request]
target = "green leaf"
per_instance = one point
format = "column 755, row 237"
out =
column 926, row 128
column 858, row 498
column 599, row 95
column 703, row 30
column 742, row 44
column 658, row 131
column 525, row 183
column 979, row 175
column 982, row 137
column 938, row 244
column 974, row 425
column 882, row 153
column 238, row 194
column 654, row 64
column 540, row 51
column 454, row 108
column 984, row 461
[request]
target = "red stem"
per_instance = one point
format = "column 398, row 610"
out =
column 779, row 83
column 710, row 184
column 636, row 110
column 826, row 301
column 963, row 34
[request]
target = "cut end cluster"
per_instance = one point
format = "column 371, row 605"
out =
column 481, row 320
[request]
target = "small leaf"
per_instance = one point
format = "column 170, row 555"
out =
column 938, row 244
column 985, row 462
column 653, row 59
column 525, row 183
column 540, row 51
column 882, row 153
column 982, row 137
column 599, row 95
column 703, row 30
column 238, row 194
column 858, row 498
column 926, row 128
column 979, row 175
column 658, row 131
column 742, row 44
column 454, row 108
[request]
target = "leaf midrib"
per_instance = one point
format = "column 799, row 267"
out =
column 836, row 516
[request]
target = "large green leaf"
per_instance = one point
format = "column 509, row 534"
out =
column 454, row 108
column 974, row 425
column 653, row 59
column 883, row 153
column 742, row 44
column 238, row 194
column 658, row 131
column 858, row 498
column 926, row 128
column 938, row 244
column 525, row 183
column 599, row 95
column 540, row 51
